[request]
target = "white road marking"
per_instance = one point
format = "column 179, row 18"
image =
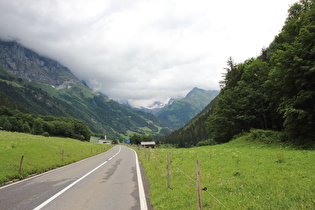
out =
column 143, row 201
column 74, row 183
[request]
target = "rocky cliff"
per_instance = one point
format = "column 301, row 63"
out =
column 27, row 64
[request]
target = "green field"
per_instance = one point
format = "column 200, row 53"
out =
column 238, row 175
column 40, row 153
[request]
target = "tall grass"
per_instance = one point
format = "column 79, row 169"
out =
column 40, row 153
column 237, row 175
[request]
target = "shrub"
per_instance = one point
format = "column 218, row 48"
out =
column 46, row 134
column 265, row 136
column 206, row 142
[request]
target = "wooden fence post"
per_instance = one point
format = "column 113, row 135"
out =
column 168, row 170
column 155, row 156
column 62, row 155
column 21, row 164
column 198, row 185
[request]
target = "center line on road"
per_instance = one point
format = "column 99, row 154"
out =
column 74, row 183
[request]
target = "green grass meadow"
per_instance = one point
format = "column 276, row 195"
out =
column 40, row 153
column 238, row 175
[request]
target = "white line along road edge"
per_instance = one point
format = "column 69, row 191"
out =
column 143, row 201
column 74, row 183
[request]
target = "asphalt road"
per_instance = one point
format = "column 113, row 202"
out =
column 110, row 181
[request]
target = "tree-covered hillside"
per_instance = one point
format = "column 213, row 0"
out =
column 14, row 120
column 193, row 132
column 276, row 90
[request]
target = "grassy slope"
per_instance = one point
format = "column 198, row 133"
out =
column 40, row 153
column 238, row 175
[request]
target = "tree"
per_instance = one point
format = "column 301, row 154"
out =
column 276, row 90
column 293, row 75
column 26, row 127
column 37, row 127
column 135, row 139
column 16, row 124
column 81, row 129
column 7, row 125
column 232, row 75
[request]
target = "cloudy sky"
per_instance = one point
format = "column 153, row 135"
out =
column 144, row 50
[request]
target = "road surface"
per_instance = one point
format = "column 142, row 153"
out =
column 111, row 180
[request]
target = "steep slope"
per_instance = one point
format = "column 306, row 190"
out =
column 27, row 64
column 194, row 131
column 43, row 86
column 182, row 111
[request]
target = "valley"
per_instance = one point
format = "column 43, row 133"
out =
column 39, row 85
column 177, row 112
column 253, row 140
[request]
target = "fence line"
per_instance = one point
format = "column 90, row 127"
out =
column 191, row 179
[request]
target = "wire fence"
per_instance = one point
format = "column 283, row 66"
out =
column 146, row 152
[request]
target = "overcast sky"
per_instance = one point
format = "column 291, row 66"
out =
column 145, row 50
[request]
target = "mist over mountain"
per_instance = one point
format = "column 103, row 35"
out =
column 29, row 65
column 37, row 84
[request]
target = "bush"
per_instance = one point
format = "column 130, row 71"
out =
column 206, row 143
column 46, row 134
column 265, row 136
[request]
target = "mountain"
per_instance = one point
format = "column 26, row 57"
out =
column 274, row 91
column 194, row 131
column 180, row 112
column 153, row 108
column 25, row 63
column 37, row 84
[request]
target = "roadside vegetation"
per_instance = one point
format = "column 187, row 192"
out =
column 40, row 153
column 253, row 171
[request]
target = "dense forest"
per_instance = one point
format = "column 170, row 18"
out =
column 15, row 120
column 275, row 91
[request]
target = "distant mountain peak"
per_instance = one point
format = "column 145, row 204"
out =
column 180, row 112
column 194, row 91
column 197, row 90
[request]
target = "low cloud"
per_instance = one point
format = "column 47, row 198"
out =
column 144, row 50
